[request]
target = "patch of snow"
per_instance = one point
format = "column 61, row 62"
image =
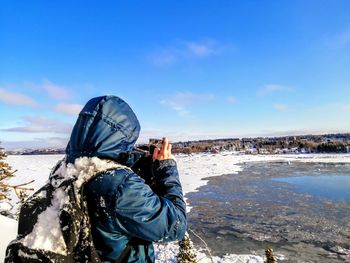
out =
column 5, row 206
column 41, row 194
column 167, row 252
column 25, row 255
column 102, row 202
column 8, row 233
column 47, row 234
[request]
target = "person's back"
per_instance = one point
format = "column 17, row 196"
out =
column 126, row 215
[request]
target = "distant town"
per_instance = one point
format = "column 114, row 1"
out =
column 327, row 143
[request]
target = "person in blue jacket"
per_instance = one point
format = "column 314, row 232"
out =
column 131, row 214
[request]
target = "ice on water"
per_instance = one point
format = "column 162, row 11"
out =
column 193, row 169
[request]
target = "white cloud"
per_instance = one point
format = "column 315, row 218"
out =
column 41, row 124
column 280, row 106
column 231, row 99
column 16, row 99
column 202, row 49
column 273, row 88
column 296, row 132
column 185, row 50
column 331, row 107
column 182, row 100
column 56, row 91
column 36, row 143
column 69, row 109
column 174, row 136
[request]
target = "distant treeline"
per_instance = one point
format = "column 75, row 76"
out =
column 328, row 143
column 332, row 148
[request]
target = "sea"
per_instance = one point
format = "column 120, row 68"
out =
column 300, row 210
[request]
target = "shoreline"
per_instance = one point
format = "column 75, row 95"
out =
column 252, row 206
column 193, row 170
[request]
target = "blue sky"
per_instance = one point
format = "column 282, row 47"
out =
column 189, row 69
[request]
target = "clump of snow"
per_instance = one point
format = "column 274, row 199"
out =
column 25, row 255
column 5, row 206
column 85, row 168
column 47, row 234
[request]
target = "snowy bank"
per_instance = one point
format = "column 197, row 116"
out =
column 193, row 169
column 8, row 232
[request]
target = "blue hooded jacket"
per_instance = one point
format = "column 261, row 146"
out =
column 124, row 211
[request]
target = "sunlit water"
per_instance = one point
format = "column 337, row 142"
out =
column 333, row 186
column 300, row 210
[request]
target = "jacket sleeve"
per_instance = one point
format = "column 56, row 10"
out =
column 151, row 216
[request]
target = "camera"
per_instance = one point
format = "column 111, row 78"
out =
column 140, row 160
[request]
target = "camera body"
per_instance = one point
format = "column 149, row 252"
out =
column 140, row 160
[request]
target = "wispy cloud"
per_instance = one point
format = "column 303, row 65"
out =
column 345, row 107
column 231, row 99
column 41, row 124
column 69, row 109
column 185, row 50
column 330, row 107
column 202, row 49
column 16, row 99
column 55, row 142
column 181, row 101
column 340, row 40
column 57, row 92
column 50, row 89
column 296, row 132
column 175, row 136
column 280, row 106
column 273, row 88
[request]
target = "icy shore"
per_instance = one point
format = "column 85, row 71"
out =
column 193, row 169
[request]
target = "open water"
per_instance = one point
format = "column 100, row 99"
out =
column 333, row 186
column 301, row 210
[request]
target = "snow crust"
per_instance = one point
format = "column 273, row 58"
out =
column 192, row 168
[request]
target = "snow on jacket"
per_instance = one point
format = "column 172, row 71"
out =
column 123, row 209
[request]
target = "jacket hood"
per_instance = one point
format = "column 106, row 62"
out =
column 106, row 128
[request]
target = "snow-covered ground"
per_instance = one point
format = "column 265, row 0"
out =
column 192, row 170
column 8, row 232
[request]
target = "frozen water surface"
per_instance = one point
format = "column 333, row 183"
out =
column 248, row 211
